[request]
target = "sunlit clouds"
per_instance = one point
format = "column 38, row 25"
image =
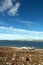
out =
column 10, row 33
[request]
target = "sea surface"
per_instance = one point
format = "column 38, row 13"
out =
column 22, row 44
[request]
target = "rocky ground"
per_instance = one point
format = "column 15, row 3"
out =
column 18, row 56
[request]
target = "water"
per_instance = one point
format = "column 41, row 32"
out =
column 22, row 44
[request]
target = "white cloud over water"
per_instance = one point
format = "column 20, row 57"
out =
column 10, row 33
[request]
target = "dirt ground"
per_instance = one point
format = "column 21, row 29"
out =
column 18, row 56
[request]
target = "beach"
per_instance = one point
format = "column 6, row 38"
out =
column 20, row 56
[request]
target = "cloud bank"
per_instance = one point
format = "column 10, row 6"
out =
column 10, row 33
column 7, row 5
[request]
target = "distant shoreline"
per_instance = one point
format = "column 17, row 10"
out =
column 23, row 44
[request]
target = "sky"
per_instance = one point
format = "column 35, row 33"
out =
column 21, row 19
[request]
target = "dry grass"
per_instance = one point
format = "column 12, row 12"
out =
column 15, row 56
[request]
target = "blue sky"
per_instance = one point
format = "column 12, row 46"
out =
column 21, row 19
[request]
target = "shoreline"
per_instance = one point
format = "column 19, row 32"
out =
column 22, row 48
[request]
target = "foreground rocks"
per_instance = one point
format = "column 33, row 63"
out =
column 18, row 56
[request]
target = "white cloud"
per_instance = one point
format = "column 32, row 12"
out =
column 28, row 24
column 5, row 5
column 8, row 5
column 10, row 33
column 12, row 37
column 14, row 9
